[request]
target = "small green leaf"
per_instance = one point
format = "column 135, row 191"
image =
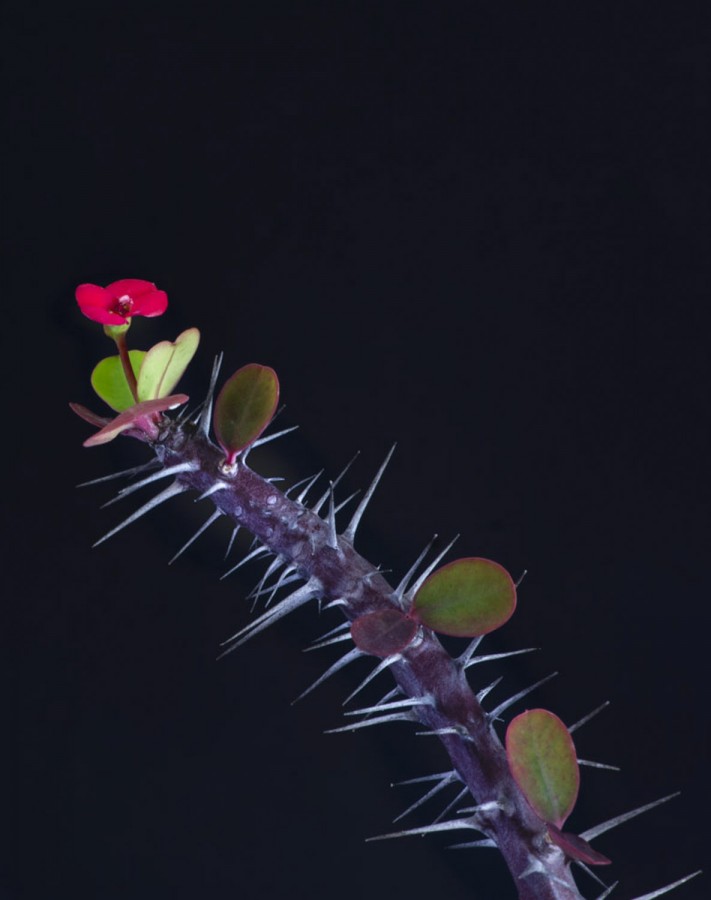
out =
column 544, row 763
column 244, row 407
column 466, row 598
column 164, row 365
column 109, row 380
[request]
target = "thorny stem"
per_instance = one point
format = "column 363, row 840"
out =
column 290, row 530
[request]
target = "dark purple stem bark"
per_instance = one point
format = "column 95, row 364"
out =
column 290, row 530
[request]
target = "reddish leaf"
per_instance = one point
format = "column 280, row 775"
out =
column 138, row 416
column 577, row 848
column 544, row 763
column 383, row 633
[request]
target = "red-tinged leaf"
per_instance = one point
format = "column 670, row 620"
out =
column 466, row 598
column 576, row 848
column 139, row 416
column 244, row 408
column 544, row 763
column 383, row 633
column 88, row 415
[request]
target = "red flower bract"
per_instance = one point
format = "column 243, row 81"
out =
column 116, row 303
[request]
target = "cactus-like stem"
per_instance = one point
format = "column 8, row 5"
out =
column 334, row 572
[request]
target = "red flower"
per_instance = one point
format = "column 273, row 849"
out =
column 116, row 303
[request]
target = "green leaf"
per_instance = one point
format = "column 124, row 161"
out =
column 465, row 598
column 164, row 365
column 544, row 763
column 244, row 407
column 109, row 380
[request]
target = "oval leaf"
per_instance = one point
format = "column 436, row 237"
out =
column 164, row 365
column 466, row 598
column 244, row 408
column 109, row 380
column 576, row 847
column 383, row 633
column 544, row 764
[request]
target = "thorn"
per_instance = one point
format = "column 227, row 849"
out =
column 450, row 806
column 536, row 867
column 386, row 663
column 340, row 602
column 366, row 723
column 231, row 540
column 258, row 551
column 314, row 479
column 463, row 660
column 288, row 576
column 591, row 715
column 484, row 691
column 213, row 489
column 444, row 780
column 135, row 470
column 216, row 515
column 438, row 732
column 346, row 501
column 608, row 891
column 410, row 574
column 502, row 707
column 485, row 842
column 592, row 833
column 273, row 437
column 597, row 765
column 398, row 704
column 336, row 667
column 205, row 419
column 163, row 473
column 423, row 778
column 324, row 637
column 523, row 574
column 332, row 538
column 490, row 656
column 420, row 581
column 334, row 484
column 669, row 887
column 171, row 491
column 451, row 825
column 339, row 639
column 271, row 568
column 349, row 533
column 290, row 603
column 590, row 872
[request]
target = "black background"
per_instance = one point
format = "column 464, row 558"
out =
column 480, row 232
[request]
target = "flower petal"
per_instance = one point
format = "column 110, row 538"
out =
column 152, row 304
column 134, row 287
column 95, row 301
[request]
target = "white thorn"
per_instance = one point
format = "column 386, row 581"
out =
column 336, row 667
column 471, row 649
column 366, row 723
column 460, row 796
column 447, row 779
column 290, row 603
column 271, row 568
column 590, row 715
column 451, row 825
column 502, row 707
column 339, row 639
column 349, row 533
column 134, row 470
column 216, row 515
column 489, row 688
column 485, row 842
column 597, row 765
column 231, row 540
column 592, row 833
column 171, row 491
column 213, row 489
column 589, row 871
column 410, row 574
column 420, row 581
column 310, row 484
column 386, row 663
column 259, row 551
column 332, row 538
column 163, row 473
column 398, row 704
column 452, row 773
column 459, row 730
column 288, row 576
column 334, row 484
column 607, row 893
column 273, row 437
column 324, row 637
column 491, row 656
column 340, row 602
column 669, row 887
column 205, row 419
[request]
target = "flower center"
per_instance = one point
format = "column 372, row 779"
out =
column 123, row 305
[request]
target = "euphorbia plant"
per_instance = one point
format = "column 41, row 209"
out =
column 521, row 794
